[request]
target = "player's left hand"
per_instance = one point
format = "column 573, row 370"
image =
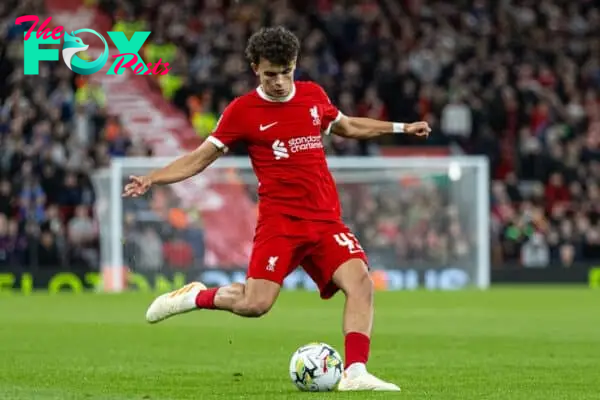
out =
column 420, row 128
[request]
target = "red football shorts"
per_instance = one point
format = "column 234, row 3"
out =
column 283, row 243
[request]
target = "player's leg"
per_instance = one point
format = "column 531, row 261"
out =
column 252, row 299
column 353, row 278
column 274, row 255
column 339, row 262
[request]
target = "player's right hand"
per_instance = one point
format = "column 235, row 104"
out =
column 137, row 186
column 420, row 128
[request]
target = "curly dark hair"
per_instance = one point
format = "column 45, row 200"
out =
column 277, row 45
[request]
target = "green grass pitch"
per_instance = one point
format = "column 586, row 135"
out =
column 506, row 343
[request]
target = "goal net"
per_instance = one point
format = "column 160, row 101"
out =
column 423, row 221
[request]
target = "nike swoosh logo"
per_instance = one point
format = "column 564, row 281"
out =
column 265, row 127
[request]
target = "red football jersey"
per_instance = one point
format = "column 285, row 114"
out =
column 286, row 149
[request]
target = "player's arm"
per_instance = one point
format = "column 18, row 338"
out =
column 367, row 128
column 186, row 166
column 179, row 170
column 363, row 128
column 227, row 131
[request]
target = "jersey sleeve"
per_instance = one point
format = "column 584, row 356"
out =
column 331, row 114
column 229, row 128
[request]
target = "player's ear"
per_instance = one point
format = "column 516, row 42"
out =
column 254, row 68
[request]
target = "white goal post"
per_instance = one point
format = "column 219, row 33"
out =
column 423, row 221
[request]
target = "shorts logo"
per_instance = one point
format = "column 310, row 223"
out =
column 279, row 150
column 272, row 262
column 314, row 113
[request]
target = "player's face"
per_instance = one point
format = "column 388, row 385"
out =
column 276, row 80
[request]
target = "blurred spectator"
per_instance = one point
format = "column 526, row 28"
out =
column 149, row 251
column 48, row 252
column 18, row 244
column 556, row 192
column 83, row 236
column 71, row 193
column 5, row 242
column 178, row 253
column 194, row 234
column 6, row 198
column 456, row 120
column 535, row 252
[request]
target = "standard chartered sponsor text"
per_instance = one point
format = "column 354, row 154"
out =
column 305, row 143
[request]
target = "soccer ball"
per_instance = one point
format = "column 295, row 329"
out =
column 316, row 367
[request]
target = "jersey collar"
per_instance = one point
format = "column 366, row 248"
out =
column 285, row 99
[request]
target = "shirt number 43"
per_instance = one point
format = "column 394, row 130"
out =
column 349, row 241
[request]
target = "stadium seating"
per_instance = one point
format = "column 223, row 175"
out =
column 516, row 83
column 54, row 130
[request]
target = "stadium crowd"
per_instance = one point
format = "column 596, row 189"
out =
column 516, row 81
column 54, row 131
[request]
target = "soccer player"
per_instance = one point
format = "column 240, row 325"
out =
column 299, row 212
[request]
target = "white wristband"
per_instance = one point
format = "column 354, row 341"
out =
column 398, row 127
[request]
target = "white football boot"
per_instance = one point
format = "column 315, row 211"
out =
column 176, row 302
column 356, row 378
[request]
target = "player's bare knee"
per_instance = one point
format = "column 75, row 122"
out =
column 366, row 285
column 257, row 308
column 361, row 286
column 259, row 297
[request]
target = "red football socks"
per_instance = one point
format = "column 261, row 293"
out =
column 206, row 298
column 357, row 347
